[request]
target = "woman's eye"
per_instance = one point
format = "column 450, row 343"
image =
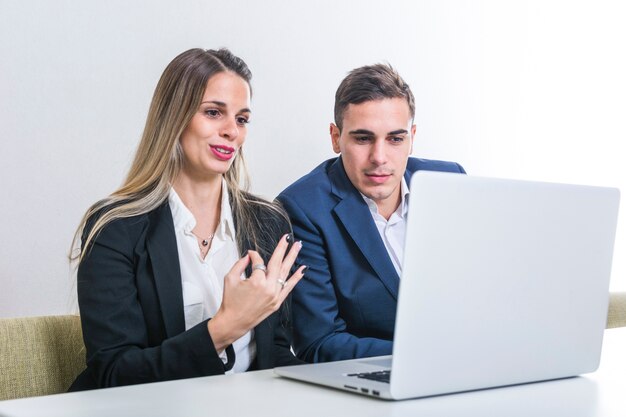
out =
column 212, row 112
column 242, row 121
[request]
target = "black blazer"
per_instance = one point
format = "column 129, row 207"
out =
column 132, row 314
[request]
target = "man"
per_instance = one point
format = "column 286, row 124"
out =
column 350, row 213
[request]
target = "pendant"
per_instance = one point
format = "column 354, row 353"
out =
column 205, row 242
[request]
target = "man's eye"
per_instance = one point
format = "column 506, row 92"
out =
column 396, row 139
column 362, row 139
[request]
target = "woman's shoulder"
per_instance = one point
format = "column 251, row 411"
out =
column 114, row 224
column 110, row 212
column 266, row 210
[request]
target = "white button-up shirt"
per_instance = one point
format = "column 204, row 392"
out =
column 203, row 279
column 392, row 231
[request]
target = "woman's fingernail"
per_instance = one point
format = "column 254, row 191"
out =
column 289, row 237
column 304, row 269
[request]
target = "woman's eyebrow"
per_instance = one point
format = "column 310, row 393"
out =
column 222, row 104
column 217, row 103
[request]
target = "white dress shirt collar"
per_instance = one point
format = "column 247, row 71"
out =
column 392, row 231
column 184, row 219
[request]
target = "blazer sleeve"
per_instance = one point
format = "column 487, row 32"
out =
column 280, row 321
column 120, row 348
column 283, row 356
column 320, row 334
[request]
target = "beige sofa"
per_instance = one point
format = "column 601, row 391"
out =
column 39, row 355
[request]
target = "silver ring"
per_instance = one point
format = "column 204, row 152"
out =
column 282, row 283
column 259, row 266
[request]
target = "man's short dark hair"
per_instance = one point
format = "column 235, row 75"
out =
column 371, row 82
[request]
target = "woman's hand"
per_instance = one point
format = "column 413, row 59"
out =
column 247, row 302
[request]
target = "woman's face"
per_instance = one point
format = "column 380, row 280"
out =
column 218, row 129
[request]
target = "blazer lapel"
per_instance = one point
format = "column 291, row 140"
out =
column 163, row 253
column 353, row 212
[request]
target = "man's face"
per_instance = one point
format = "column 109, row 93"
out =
column 375, row 144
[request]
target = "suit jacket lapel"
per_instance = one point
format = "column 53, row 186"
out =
column 353, row 212
column 163, row 253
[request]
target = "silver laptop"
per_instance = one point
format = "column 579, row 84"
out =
column 503, row 282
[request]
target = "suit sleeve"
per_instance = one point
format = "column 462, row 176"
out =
column 119, row 351
column 320, row 333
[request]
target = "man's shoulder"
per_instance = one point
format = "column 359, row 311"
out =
column 317, row 180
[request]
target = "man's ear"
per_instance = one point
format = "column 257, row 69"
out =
column 335, row 134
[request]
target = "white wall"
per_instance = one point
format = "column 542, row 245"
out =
column 523, row 89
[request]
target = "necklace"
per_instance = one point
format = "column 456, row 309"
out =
column 203, row 243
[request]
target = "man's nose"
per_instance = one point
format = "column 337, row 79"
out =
column 378, row 152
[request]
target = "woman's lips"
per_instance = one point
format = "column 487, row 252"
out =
column 222, row 152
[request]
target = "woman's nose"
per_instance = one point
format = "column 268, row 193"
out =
column 229, row 130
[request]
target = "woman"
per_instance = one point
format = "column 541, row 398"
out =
column 162, row 284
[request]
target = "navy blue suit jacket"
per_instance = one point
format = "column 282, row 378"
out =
column 345, row 307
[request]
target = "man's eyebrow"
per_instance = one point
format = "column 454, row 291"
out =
column 398, row 132
column 222, row 104
column 361, row 132
column 370, row 133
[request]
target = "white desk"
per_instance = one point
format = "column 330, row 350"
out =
column 601, row 394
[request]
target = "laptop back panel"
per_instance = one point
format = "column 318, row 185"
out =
column 503, row 282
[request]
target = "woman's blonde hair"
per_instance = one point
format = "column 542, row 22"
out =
column 159, row 156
